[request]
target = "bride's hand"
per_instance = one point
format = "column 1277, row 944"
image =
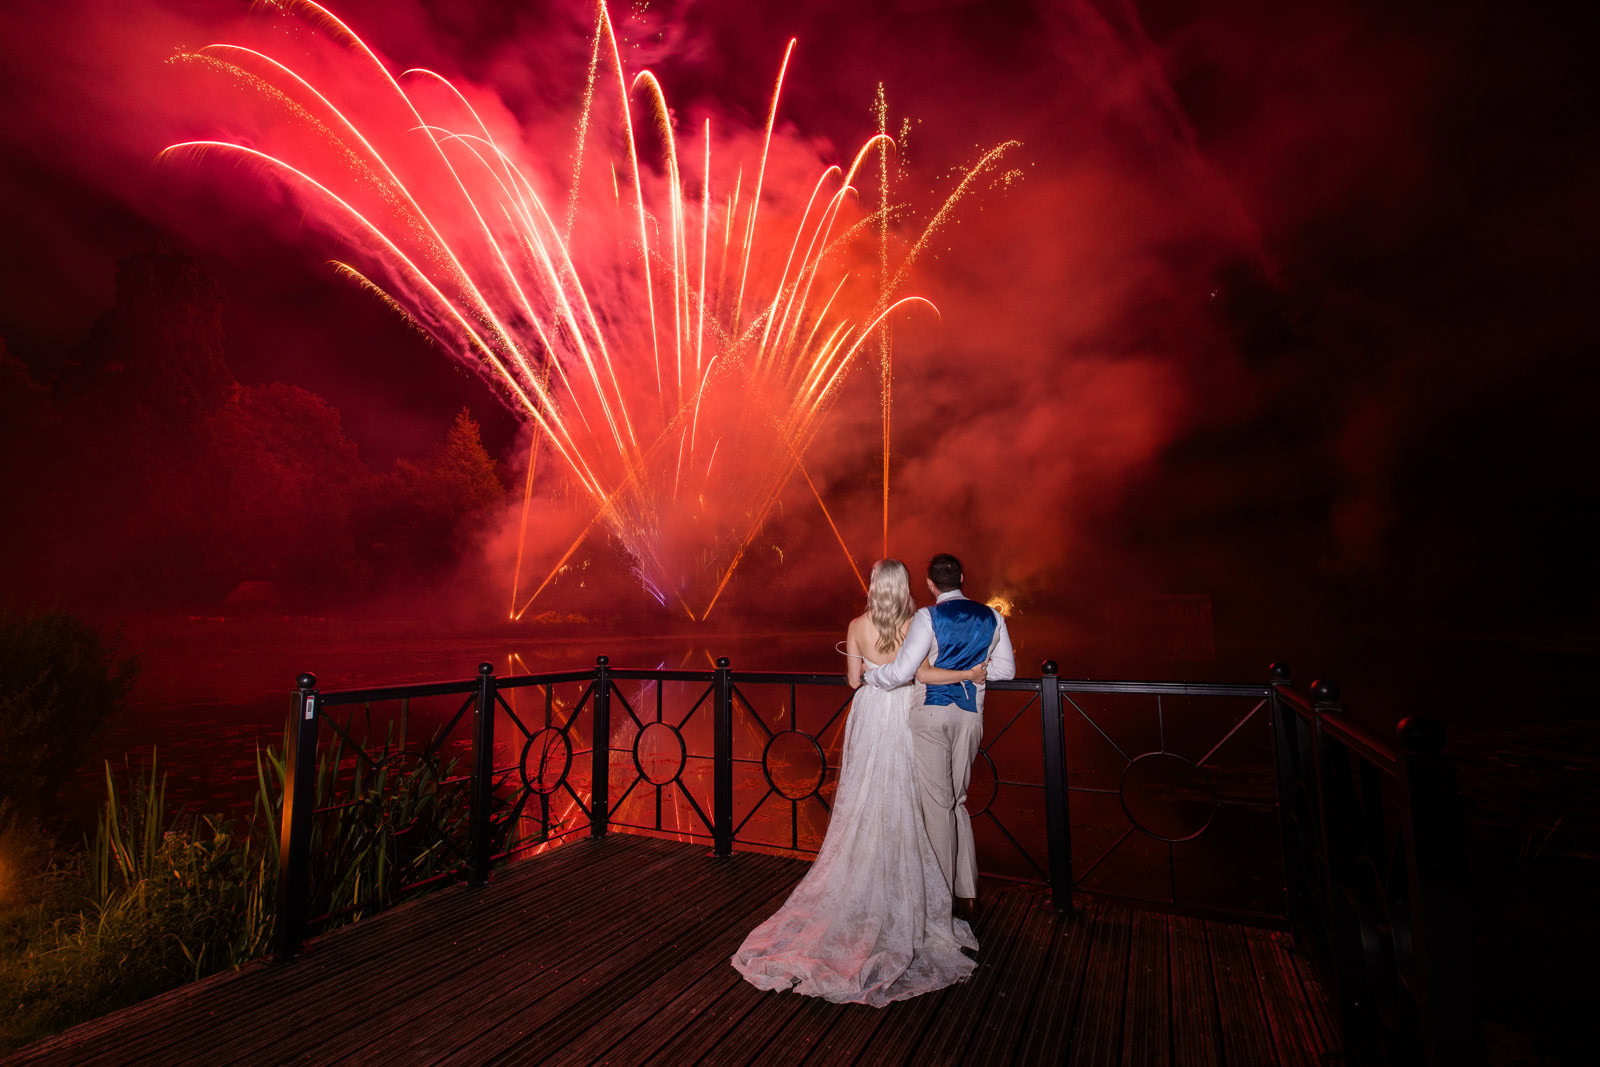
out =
column 979, row 674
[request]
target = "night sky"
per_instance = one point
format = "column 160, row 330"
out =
column 1290, row 305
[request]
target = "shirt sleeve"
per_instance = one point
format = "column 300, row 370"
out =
column 919, row 640
column 1002, row 661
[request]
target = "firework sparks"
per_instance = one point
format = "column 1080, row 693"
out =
column 446, row 226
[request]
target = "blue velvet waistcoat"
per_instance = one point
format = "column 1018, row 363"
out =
column 963, row 630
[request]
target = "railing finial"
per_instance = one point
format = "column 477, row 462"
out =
column 486, row 669
column 306, row 680
column 1325, row 692
column 1420, row 734
column 723, row 662
column 1279, row 672
column 602, row 660
column 1049, row 666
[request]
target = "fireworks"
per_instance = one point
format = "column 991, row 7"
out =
column 668, row 353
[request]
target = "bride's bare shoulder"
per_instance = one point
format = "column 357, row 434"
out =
column 860, row 624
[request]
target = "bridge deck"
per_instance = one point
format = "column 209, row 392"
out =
column 615, row 950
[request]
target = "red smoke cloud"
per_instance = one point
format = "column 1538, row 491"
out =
column 1236, row 252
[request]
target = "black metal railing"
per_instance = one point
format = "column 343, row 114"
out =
column 1168, row 790
column 1376, row 877
column 1157, row 791
column 368, row 820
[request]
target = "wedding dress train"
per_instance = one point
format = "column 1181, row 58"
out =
column 871, row 921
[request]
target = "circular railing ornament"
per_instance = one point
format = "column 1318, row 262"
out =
column 1159, row 791
column 543, row 742
column 654, row 757
column 793, row 756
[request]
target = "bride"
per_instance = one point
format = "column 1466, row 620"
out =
column 871, row 922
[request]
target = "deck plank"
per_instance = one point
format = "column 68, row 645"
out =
column 1316, row 999
column 1010, row 950
column 615, row 950
column 1294, row 1031
column 508, row 985
column 1196, row 1034
column 932, row 1028
column 429, row 974
column 657, row 944
column 727, row 1012
column 588, row 1033
column 1097, row 1039
column 423, row 975
column 848, row 1033
column 153, row 1028
column 1054, row 1013
column 1147, row 1029
column 750, row 1038
column 805, row 1029
column 1246, row 1035
column 701, row 1004
column 1000, row 1029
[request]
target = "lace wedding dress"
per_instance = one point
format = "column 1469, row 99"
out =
column 870, row 923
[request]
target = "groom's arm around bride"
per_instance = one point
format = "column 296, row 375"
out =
column 978, row 646
column 947, row 728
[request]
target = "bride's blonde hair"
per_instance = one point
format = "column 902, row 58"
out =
column 889, row 602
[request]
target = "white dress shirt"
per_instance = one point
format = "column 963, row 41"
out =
column 919, row 643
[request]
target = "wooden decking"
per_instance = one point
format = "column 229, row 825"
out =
column 616, row 951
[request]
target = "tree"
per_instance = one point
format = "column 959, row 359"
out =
column 423, row 513
column 59, row 680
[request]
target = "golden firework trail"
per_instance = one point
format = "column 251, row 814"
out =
column 880, row 109
column 603, row 322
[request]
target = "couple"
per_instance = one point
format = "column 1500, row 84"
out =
column 872, row 921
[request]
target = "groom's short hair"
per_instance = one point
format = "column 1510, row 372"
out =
column 944, row 571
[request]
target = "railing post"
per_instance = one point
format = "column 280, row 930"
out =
column 1058, row 825
column 722, row 761
column 294, row 825
column 600, row 792
column 1439, row 920
column 1343, row 972
column 482, row 776
column 1296, row 894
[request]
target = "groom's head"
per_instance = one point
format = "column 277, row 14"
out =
column 944, row 573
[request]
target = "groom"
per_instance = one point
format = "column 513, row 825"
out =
column 957, row 634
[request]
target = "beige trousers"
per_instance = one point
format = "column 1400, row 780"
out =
column 945, row 741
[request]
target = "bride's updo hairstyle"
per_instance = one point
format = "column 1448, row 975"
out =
column 889, row 602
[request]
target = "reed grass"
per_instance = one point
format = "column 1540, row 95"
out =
column 156, row 897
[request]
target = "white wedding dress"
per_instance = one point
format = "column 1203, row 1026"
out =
column 870, row 923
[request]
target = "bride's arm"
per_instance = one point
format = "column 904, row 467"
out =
column 929, row 675
column 852, row 660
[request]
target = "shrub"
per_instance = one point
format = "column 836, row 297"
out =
column 59, row 680
column 155, row 900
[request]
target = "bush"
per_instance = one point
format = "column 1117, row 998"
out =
column 154, row 901
column 59, row 680
column 157, row 898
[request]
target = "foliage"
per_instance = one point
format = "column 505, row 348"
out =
column 154, row 901
column 388, row 819
column 59, row 680
column 216, row 875
column 279, row 481
column 426, row 512
column 159, row 898
column 213, row 481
